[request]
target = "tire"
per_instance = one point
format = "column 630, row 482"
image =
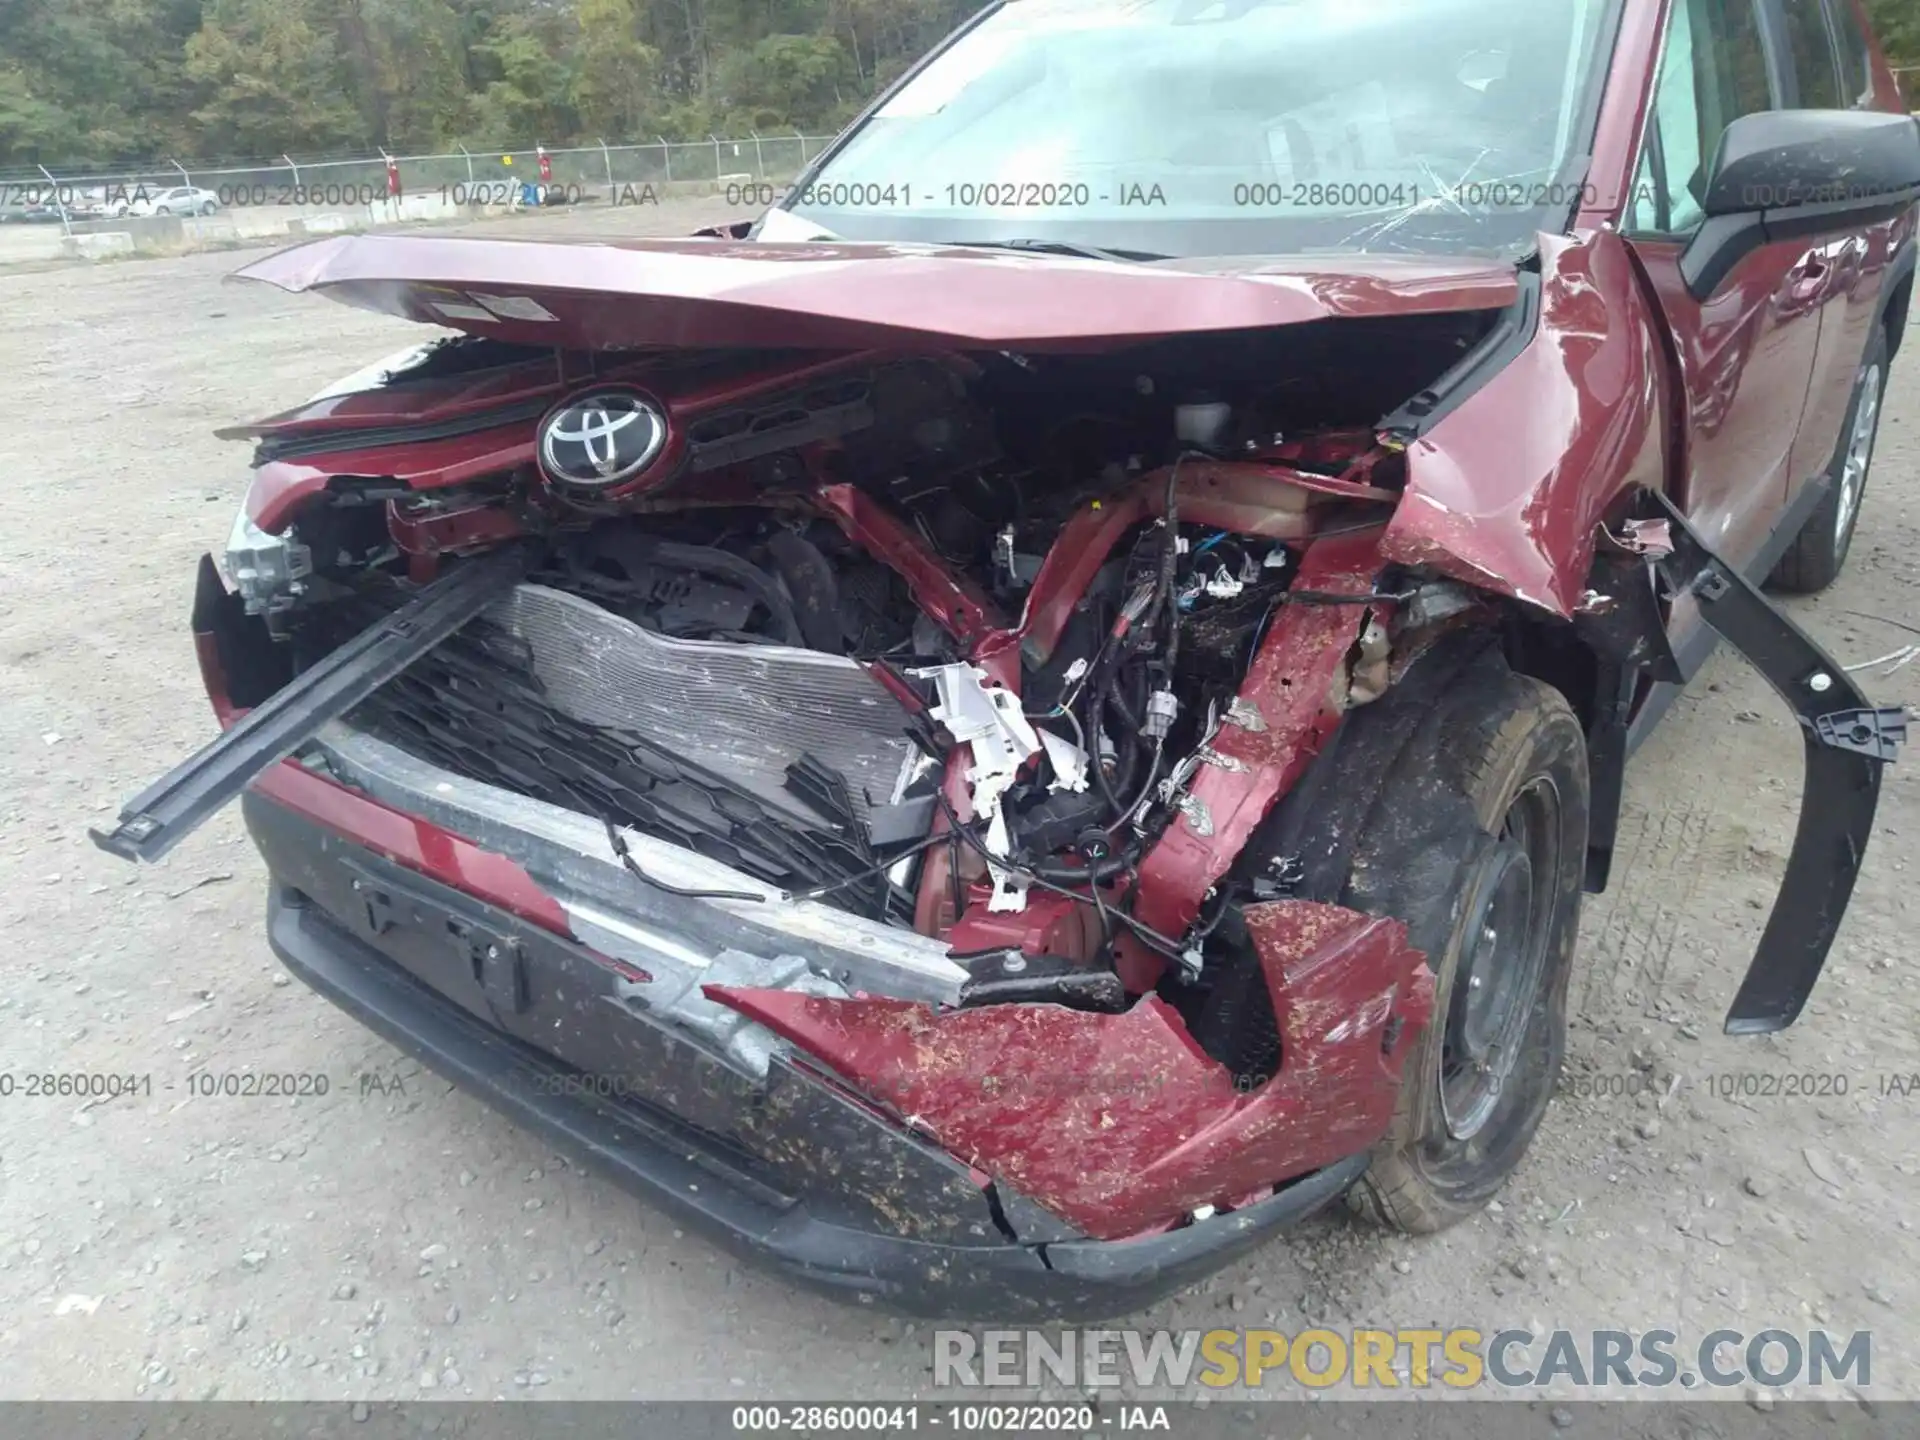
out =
column 1819, row 551
column 1479, row 835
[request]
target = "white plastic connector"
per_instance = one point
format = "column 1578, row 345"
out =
column 1162, row 709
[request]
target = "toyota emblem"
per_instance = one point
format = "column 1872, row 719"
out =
column 600, row 439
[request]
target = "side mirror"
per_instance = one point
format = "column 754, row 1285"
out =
column 1783, row 174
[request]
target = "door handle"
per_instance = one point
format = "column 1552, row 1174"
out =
column 1808, row 279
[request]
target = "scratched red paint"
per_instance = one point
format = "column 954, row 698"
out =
column 1118, row 1123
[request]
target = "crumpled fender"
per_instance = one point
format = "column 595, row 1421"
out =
column 1121, row 1123
column 1505, row 492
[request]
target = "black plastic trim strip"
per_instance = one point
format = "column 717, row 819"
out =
column 1498, row 348
column 1723, row 241
column 173, row 807
column 1840, row 792
column 1899, row 270
column 372, row 437
column 1698, row 645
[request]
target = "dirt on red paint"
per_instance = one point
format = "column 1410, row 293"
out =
column 1115, row 1121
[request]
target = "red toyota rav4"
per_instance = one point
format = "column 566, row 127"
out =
column 1003, row 732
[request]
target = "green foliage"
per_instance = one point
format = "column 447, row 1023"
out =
column 1897, row 23
column 408, row 59
column 99, row 82
column 782, row 76
column 526, row 62
column 615, row 79
column 270, row 78
column 28, row 122
column 91, row 77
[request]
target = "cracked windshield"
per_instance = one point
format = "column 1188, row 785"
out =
column 1227, row 127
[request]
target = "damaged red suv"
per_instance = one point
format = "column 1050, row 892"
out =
column 1003, row 732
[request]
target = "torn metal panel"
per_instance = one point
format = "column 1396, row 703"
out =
column 1120, row 1123
column 1505, row 492
column 1288, row 689
column 988, row 720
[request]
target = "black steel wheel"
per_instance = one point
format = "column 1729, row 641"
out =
column 1478, row 842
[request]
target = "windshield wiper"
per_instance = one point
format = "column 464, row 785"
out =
column 1063, row 247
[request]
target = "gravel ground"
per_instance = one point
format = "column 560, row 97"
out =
column 396, row 1239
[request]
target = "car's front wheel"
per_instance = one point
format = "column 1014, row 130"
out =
column 1478, row 842
column 1819, row 551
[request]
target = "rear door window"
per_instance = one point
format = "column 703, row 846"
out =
column 1856, row 58
column 1815, row 70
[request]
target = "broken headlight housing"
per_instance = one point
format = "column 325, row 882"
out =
column 268, row 571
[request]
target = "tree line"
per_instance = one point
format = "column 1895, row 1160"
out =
column 95, row 82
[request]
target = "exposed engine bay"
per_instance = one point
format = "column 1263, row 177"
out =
column 661, row 669
column 944, row 642
column 982, row 776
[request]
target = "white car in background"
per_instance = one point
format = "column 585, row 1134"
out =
column 178, row 200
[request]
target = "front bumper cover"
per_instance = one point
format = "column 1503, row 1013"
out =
column 901, row 1225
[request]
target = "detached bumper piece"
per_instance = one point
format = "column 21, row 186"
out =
column 787, row 1171
column 1847, row 742
column 173, row 807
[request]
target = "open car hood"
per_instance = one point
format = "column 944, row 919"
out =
column 595, row 295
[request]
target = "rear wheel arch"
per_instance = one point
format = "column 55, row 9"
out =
column 1898, row 300
column 1815, row 557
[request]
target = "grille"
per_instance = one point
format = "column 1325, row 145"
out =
column 765, row 759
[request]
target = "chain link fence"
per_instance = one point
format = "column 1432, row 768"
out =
column 360, row 178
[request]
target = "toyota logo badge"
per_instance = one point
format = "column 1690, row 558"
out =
column 601, row 438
